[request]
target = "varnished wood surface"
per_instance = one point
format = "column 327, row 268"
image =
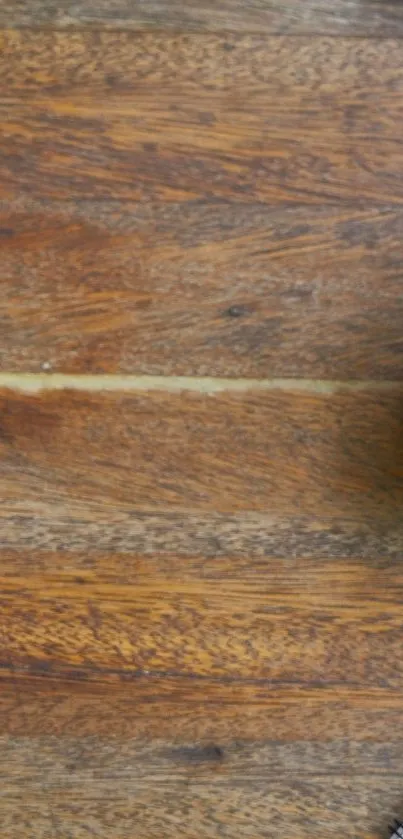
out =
column 212, row 288
column 338, row 18
column 284, row 621
column 278, row 452
column 248, row 752
column 201, row 204
column 200, row 594
column 327, row 138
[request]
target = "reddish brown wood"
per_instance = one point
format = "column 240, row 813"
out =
column 200, row 595
column 282, row 453
column 330, row 137
column 201, row 289
column 83, row 743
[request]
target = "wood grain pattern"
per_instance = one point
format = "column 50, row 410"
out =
column 89, row 748
column 199, row 289
column 191, row 711
column 277, row 452
column 240, row 534
column 203, row 278
column 326, row 141
column 41, row 61
column 75, row 792
column 286, row 622
column 340, row 18
column 200, row 593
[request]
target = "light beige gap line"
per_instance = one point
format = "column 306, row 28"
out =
column 38, row 382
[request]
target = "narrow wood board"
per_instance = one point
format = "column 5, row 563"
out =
column 334, row 136
column 201, row 289
column 129, row 790
column 311, row 623
column 66, row 62
column 342, row 17
column 288, row 453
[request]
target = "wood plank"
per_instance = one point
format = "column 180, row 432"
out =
column 114, row 790
column 75, row 788
column 330, row 138
column 210, row 739
column 69, row 62
column 278, row 452
column 190, row 711
column 285, row 621
column 79, row 744
column 342, row 17
column 195, row 289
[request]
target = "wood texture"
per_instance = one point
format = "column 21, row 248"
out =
column 166, row 746
column 341, row 17
column 277, row 734
column 74, row 791
column 285, row 621
column 277, row 452
column 200, row 593
column 328, row 138
column 201, row 289
column 55, row 62
column 205, row 534
column 202, row 274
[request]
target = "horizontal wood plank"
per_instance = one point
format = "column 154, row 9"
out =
column 279, row 452
column 252, row 137
column 195, row 289
column 77, row 788
column 62, row 703
column 69, row 62
column 80, row 745
column 284, row 621
column 342, row 17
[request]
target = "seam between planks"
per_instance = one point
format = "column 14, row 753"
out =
column 38, row 382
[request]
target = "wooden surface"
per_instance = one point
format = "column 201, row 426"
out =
column 196, row 289
column 258, row 233
column 201, row 578
column 287, row 453
column 284, row 131
column 351, row 17
column 115, row 708
column 140, row 617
